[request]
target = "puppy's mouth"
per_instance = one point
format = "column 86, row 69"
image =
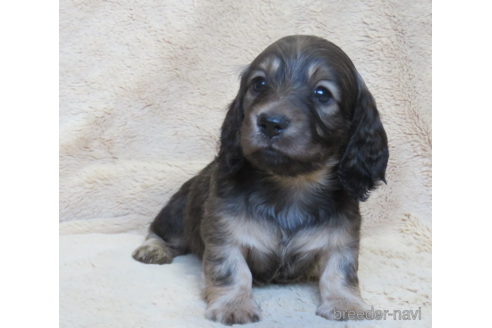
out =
column 270, row 151
column 273, row 160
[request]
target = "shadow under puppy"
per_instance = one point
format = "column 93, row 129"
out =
column 301, row 145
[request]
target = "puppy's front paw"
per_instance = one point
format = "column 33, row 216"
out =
column 234, row 313
column 341, row 309
column 152, row 254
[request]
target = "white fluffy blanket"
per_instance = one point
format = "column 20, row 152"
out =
column 143, row 91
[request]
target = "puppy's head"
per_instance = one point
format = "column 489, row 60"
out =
column 301, row 103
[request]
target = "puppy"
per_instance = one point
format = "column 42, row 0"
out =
column 301, row 144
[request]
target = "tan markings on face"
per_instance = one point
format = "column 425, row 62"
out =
column 332, row 87
column 312, row 69
column 328, row 112
column 271, row 64
column 256, row 73
column 319, row 75
column 300, row 146
column 295, row 141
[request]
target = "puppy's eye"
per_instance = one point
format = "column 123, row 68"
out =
column 259, row 84
column 322, row 94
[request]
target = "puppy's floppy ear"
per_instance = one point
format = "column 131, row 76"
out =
column 230, row 158
column 364, row 162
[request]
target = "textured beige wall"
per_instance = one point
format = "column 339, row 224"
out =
column 144, row 86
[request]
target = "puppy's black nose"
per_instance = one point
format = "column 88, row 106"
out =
column 272, row 125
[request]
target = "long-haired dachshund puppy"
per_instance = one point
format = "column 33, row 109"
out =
column 300, row 146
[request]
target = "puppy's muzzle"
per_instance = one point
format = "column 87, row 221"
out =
column 272, row 125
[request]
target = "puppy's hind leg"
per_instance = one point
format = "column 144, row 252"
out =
column 154, row 250
column 166, row 238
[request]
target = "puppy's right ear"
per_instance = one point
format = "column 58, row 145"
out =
column 230, row 158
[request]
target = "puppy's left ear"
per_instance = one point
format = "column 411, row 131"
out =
column 364, row 162
column 230, row 158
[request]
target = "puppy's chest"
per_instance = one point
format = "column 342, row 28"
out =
column 276, row 256
column 289, row 210
column 283, row 232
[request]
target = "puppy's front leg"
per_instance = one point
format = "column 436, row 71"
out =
column 228, row 286
column 339, row 285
